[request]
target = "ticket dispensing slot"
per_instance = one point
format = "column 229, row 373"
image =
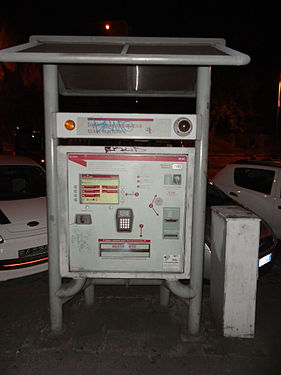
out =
column 124, row 249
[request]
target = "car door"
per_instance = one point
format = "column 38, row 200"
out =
column 254, row 188
column 276, row 219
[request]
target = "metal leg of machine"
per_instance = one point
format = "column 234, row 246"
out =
column 89, row 294
column 164, row 295
column 51, row 106
column 199, row 198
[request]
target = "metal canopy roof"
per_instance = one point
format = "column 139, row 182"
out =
column 124, row 50
column 126, row 66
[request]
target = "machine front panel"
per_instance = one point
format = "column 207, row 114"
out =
column 126, row 212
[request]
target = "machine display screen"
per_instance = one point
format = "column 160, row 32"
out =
column 124, row 213
column 99, row 188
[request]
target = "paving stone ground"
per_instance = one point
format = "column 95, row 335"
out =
column 126, row 331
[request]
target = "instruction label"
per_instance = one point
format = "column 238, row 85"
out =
column 171, row 262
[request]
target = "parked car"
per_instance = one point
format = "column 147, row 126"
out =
column 268, row 242
column 255, row 185
column 23, row 222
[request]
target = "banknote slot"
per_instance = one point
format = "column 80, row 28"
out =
column 171, row 222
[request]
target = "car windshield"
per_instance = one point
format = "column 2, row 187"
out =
column 216, row 197
column 21, row 182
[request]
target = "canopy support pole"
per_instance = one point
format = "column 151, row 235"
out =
column 199, row 197
column 50, row 76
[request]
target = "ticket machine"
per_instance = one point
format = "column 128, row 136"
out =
column 125, row 211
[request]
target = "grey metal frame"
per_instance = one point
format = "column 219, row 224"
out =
column 50, row 77
column 199, row 197
column 60, row 293
column 19, row 53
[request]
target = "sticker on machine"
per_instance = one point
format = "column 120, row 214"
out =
column 171, row 262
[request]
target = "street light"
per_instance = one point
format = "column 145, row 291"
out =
column 278, row 104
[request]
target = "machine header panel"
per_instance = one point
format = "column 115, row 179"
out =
column 126, row 126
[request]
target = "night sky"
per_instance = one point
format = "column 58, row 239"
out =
column 252, row 27
column 249, row 27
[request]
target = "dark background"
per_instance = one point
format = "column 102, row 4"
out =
column 244, row 99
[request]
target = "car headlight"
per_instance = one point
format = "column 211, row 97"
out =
column 1, row 239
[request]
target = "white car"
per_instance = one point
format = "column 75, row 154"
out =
column 23, row 221
column 255, row 185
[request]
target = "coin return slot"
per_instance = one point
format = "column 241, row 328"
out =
column 83, row 219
